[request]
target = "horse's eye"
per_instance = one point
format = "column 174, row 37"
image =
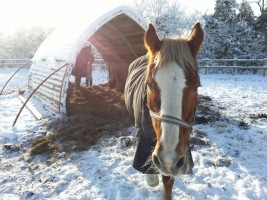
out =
column 149, row 85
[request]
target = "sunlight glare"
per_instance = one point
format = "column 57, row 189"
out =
column 50, row 13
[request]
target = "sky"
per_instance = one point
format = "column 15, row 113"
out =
column 47, row 13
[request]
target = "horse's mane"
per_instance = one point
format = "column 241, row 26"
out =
column 175, row 50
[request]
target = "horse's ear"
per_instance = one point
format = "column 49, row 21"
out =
column 151, row 39
column 195, row 39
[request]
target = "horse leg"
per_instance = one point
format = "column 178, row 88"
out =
column 77, row 81
column 167, row 187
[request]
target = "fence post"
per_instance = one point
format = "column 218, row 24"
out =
column 206, row 68
column 234, row 67
column 264, row 68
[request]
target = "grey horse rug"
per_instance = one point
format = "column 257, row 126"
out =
column 135, row 93
column 135, row 100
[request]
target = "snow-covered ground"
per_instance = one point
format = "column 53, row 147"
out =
column 232, row 166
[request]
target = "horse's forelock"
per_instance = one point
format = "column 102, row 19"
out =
column 175, row 50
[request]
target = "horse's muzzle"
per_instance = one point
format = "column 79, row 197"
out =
column 172, row 167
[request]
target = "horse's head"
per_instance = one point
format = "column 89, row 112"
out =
column 172, row 82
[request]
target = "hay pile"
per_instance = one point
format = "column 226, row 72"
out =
column 93, row 112
column 99, row 103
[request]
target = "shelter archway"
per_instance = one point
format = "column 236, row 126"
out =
column 118, row 36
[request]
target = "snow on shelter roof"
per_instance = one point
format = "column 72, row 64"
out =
column 118, row 36
column 66, row 42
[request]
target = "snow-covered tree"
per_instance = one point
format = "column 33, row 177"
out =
column 231, row 35
column 150, row 9
column 174, row 21
column 219, row 40
column 246, row 13
column 168, row 16
column 225, row 10
column 261, row 28
column 22, row 43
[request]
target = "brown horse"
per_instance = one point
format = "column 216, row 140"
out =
column 161, row 93
column 83, row 66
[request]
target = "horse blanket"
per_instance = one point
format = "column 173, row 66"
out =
column 135, row 94
column 135, row 100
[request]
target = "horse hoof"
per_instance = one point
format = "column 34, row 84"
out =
column 152, row 180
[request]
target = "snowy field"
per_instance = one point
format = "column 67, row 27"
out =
column 232, row 166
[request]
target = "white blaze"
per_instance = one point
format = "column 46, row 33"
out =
column 171, row 82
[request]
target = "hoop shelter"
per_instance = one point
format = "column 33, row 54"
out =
column 118, row 36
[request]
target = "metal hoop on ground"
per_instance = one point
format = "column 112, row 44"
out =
column 36, row 90
column 14, row 75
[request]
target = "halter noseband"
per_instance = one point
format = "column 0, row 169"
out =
column 171, row 119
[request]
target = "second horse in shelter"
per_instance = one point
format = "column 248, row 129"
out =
column 83, row 66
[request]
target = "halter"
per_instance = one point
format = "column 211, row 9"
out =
column 172, row 120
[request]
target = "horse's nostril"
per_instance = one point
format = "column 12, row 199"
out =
column 155, row 160
column 180, row 162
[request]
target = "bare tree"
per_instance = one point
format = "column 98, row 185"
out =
column 150, row 9
column 261, row 4
column 168, row 16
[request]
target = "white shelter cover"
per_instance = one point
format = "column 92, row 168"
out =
column 61, row 47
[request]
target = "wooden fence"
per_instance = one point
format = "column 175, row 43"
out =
column 208, row 65
column 13, row 62
column 233, row 65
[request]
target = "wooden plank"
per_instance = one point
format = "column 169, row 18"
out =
column 33, row 110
